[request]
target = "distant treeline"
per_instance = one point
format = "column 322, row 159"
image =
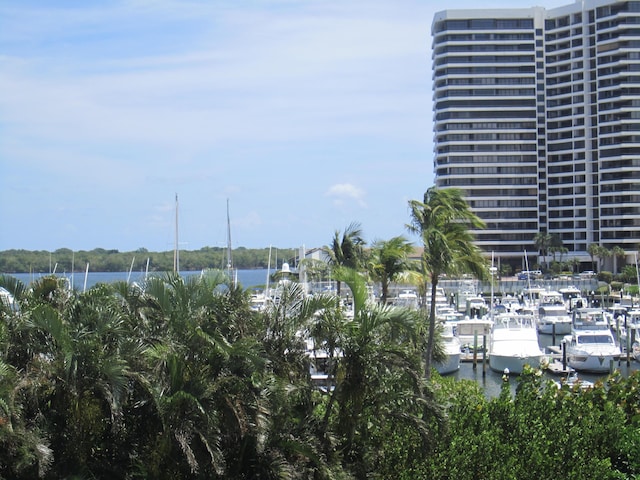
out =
column 102, row 260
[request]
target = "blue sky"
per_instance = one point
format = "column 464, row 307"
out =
column 305, row 115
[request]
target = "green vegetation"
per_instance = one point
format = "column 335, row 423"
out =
column 182, row 380
column 101, row 260
column 179, row 378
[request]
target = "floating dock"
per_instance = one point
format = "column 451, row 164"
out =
column 557, row 368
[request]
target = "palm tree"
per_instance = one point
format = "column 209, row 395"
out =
column 188, row 375
column 379, row 377
column 76, row 354
column 599, row 252
column 593, row 250
column 555, row 246
column 574, row 262
column 542, row 241
column 618, row 254
column 444, row 221
column 387, row 260
column 346, row 250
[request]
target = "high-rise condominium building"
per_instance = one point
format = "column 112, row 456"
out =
column 537, row 119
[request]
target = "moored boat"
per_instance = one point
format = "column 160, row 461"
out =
column 572, row 297
column 452, row 350
column 591, row 346
column 474, row 332
column 514, row 344
column 553, row 319
column 406, row 298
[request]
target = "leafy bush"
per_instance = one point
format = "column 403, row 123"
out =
column 606, row 277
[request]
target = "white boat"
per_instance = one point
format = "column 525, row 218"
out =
column 591, row 346
column 627, row 326
column 473, row 332
column 452, row 350
column 510, row 304
column 258, row 301
column 532, row 296
column 319, row 367
column 553, row 319
column 448, row 314
column 441, row 300
column 476, row 306
column 572, row 381
column 572, row 297
column 406, row 298
column 514, row 344
column 616, row 314
column 467, row 289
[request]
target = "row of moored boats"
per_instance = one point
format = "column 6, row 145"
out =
column 507, row 331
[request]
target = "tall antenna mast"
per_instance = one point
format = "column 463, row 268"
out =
column 176, row 251
column 229, row 260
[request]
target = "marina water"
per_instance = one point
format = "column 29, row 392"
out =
column 248, row 278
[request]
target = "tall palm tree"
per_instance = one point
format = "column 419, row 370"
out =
column 556, row 246
column 600, row 252
column 379, row 377
column 346, row 250
column 593, row 250
column 444, row 222
column 618, row 254
column 387, row 259
column 542, row 241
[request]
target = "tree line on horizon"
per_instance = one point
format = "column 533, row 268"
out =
column 105, row 260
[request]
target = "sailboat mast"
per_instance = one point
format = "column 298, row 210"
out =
column 176, row 252
column 229, row 259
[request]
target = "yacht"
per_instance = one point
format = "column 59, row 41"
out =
column 407, row 298
column 627, row 326
column 514, row 343
column 474, row 332
column 452, row 349
column 591, row 346
column 319, row 367
column 448, row 314
column 553, row 318
column 572, row 297
column 441, row 300
column 476, row 306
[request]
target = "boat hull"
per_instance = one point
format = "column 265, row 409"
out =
column 593, row 362
column 450, row 365
column 514, row 344
column 498, row 363
column 561, row 328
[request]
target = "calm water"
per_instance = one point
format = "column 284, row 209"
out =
column 491, row 381
column 247, row 278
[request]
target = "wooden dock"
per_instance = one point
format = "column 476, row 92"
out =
column 556, row 368
column 469, row 357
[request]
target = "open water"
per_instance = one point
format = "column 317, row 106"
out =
column 491, row 381
column 247, row 278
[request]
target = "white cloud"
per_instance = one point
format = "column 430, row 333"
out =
column 265, row 73
column 344, row 193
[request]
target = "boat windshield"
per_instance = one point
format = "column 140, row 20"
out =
column 552, row 311
column 583, row 339
column 591, row 320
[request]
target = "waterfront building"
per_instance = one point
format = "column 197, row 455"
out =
column 537, row 119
